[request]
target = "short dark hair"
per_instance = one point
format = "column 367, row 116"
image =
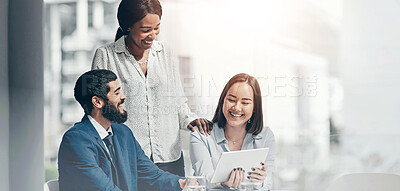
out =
column 93, row 83
column 256, row 121
column 132, row 11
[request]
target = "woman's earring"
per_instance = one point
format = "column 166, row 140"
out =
column 249, row 121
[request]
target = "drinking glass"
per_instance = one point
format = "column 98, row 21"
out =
column 196, row 183
column 250, row 186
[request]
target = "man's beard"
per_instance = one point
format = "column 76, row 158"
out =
column 112, row 113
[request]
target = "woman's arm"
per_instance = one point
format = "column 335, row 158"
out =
column 200, row 156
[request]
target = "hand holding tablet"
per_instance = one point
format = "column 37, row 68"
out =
column 245, row 159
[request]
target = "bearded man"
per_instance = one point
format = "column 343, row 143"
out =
column 100, row 153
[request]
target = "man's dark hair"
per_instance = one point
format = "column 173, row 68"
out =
column 93, row 83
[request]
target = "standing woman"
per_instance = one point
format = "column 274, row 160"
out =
column 156, row 105
column 238, row 125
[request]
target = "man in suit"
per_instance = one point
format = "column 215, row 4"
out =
column 100, row 153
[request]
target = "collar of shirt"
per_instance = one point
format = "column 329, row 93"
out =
column 220, row 134
column 120, row 46
column 100, row 129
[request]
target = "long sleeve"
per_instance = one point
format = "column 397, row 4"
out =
column 205, row 151
column 149, row 173
column 200, row 157
column 78, row 167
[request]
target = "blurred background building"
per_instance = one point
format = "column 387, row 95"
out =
column 328, row 70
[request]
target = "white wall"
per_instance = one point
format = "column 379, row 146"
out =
column 371, row 76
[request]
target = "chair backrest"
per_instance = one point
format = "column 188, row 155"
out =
column 51, row 185
column 366, row 182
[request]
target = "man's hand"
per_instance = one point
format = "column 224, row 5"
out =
column 236, row 177
column 182, row 183
column 258, row 174
column 204, row 126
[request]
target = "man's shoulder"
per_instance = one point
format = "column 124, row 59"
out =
column 123, row 130
column 78, row 126
column 124, row 133
column 121, row 127
column 78, row 131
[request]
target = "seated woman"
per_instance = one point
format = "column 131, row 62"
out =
column 237, row 125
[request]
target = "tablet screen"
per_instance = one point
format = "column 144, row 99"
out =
column 245, row 159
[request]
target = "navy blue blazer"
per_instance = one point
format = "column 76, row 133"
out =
column 84, row 164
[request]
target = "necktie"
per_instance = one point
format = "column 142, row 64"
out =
column 110, row 145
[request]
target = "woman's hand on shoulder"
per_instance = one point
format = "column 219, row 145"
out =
column 204, row 126
column 182, row 184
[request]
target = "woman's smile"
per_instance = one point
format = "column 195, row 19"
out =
column 236, row 115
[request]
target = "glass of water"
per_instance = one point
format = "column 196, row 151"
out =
column 250, row 186
column 196, row 183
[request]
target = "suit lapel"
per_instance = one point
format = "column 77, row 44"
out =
column 92, row 130
column 120, row 154
column 101, row 143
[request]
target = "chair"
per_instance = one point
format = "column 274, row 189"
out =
column 51, row 185
column 366, row 182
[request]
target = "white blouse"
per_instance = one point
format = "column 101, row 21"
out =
column 206, row 150
column 156, row 105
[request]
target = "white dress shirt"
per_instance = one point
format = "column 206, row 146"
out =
column 206, row 150
column 156, row 105
column 102, row 132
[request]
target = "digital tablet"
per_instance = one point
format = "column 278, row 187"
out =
column 245, row 159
